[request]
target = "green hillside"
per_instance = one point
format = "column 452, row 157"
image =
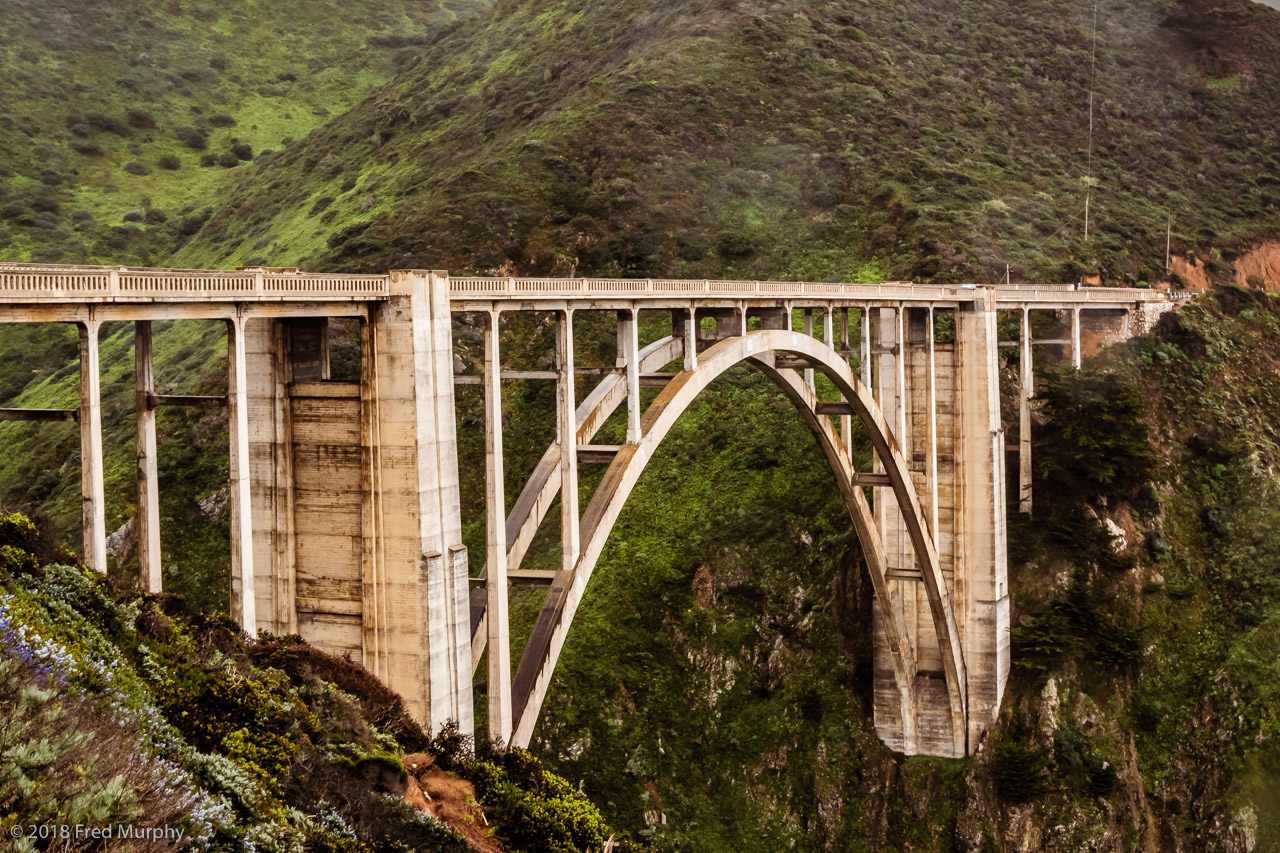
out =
column 122, row 121
column 929, row 140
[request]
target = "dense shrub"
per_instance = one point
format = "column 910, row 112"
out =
column 1082, row 763
column 1094, row 442
column 1018, row 769
column 140, row 119
column 1084, row 622
column 169, row 162
column 192, row 137
column 533, row 810
column 136, row 167
column 66, row 760
column 108, row 124
column 242, row 151
column 228, row 160
column 222, row 120
column 192, row 223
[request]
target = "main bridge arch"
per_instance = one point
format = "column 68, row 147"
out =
column 766, row 349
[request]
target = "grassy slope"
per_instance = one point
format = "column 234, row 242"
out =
column 850, row 140
column 93, row 87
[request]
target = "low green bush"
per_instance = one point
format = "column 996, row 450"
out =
column 1018, row 770
column 193, row 138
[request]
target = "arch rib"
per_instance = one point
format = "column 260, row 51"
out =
column 542, row 487
column 540, row 490
column 536, row 666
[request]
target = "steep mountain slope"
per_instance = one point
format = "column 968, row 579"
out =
column 714, row 695
column 925, row 139
column 121, row 120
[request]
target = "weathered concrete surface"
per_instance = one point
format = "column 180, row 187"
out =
column 355, row 506
column 148, row 524
column 945, row 398
column 243, row 599
column 92, row 490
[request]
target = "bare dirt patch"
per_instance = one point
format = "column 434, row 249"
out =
column 450, row 799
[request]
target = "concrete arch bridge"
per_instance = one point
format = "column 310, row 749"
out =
column 345, row 513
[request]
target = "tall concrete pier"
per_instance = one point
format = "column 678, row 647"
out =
column 344, row 506
column 356, row 526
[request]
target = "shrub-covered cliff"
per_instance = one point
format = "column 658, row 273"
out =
column 135, row 716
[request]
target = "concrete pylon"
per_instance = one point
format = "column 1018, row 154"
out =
column 952, row 439
column 357, row 527
column 425, row 628
column 93, row 492
column 982, row 570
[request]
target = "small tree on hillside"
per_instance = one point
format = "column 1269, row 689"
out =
column 1093, row 442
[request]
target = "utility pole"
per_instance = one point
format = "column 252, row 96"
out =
column 1093, row 85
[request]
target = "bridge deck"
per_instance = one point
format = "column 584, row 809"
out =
column 52, row 285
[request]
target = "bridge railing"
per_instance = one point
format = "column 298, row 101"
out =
column 63, row 282
column 462, row 287
column 44, row 282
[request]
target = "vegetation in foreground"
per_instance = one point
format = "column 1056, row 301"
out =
column 130, row 709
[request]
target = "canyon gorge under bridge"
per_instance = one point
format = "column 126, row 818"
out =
column 345, row 510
